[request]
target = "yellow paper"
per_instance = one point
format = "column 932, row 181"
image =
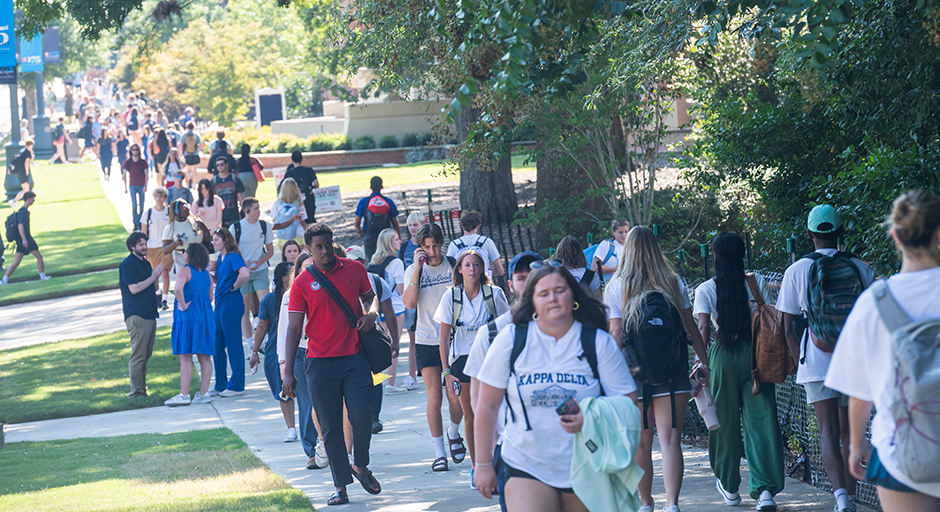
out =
column 378, row 378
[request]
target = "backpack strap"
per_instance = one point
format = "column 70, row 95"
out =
column 264, row 235
column 333, row 293
column 755, row 290
column 377, row 285
column 492, row 330
column 889, row 310
column 610, row 251
column 481, row 239
column 460, row 245
column 401, row 251
column 589, row 352
column 385, row 263
column 588, row 277
column 489, row 301
column 457, row 297
column 518, row 344
column 238, row 232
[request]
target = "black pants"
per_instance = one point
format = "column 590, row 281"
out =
column 331, row 381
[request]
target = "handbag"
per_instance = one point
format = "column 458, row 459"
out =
column 376, row 343
column 256, row 167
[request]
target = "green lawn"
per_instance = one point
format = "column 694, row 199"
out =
column 205, row 470
column 81, row 377
column 18, row 293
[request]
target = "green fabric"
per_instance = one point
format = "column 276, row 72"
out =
column 603, row 473
column 730, row 384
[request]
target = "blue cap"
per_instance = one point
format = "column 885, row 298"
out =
column 524, row 258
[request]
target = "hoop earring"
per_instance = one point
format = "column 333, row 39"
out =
column 576, row 306
column 535, row 317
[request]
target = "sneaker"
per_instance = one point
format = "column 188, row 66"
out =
column 322, row 459
column 291, row 436
column 377, row 426
column 45, row 278
column 177, row 400
column 164, row 305
column 672, row 508
column 645, row 508
column 410, row 383
column 395, row 390
column 12, row 204
column 766, row 501
column 213, row 392
column 199, row 398
column 731, row 498
column 230, row 393
column 254, row 323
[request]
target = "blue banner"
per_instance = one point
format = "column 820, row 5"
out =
column 7, row 38
column 50, row 46
column 31, row 55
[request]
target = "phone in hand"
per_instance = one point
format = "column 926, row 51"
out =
column 569, row 407
column 457, row 386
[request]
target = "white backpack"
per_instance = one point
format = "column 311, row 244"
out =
column 915, row 391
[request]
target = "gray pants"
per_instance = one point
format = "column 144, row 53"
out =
column 143, row 333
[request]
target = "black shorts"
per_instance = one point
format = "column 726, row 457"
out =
column 427, row 356
column 456, row 369
column 518, row 473
column 192, row 159
column 26, row 248
column 22, row 178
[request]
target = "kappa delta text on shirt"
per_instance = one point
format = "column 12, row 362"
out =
column 545, row 389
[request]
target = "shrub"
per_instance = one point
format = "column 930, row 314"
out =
column 426, row 138
column 345, row 145
column 409, row 140
column 388, row 141
column 364, row 142
column 320, row 145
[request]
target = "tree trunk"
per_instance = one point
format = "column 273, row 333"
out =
column 556, row 183
column 30, row 89
column 487, row 189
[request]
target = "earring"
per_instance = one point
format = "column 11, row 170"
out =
column 576, row 306
column 535, row 317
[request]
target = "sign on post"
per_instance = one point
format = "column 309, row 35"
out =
column 328, row 199
column 31, row 55
column 50, row 46
column 7, row 44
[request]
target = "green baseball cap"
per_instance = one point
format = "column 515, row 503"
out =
column 823, row 219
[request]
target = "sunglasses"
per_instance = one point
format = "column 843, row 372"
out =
column 535, row 265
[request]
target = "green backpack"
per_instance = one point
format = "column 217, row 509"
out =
column 835, row 283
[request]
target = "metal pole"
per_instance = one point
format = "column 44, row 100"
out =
column 705, row 259
column 681, row 255
column 750, row 255
column 41, row 136
column 13, row 147
column 791, row 248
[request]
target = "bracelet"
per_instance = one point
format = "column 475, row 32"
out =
column 484, row 464
column 282, row 362
column 254, row 352
column 446, row 372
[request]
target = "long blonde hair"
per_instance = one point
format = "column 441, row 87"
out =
column 643, row 270
column 290, row 192
column 383, row 246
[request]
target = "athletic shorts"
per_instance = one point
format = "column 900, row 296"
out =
column 456, row 369
column 192, row 159
column 518, row 473
column 876, row 474
column 682, row 385
column 22, row 178
column 156, row 257
column 26, row 248
column 817, row 392
column 428, row 356
column 410, row 315
column 257, row 282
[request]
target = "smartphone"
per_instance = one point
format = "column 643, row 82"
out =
column 424, row 259
column 569, row 407
column 457, row 388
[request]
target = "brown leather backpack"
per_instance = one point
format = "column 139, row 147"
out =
column 771, row 361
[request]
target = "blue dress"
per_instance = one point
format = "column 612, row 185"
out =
column 194, row 329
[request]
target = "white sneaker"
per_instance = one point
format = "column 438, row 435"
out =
column 45, row 278
column 410, row 383
column 291, row 436
column 645, row 508
column 177, row 400
column 672, row 508
column 395, row 390
column 213, row 392
column 766, row 501
column 12, row 204
column 320, row 453
column 199, row 398
column 254, row 323
column 731, row 498
column 229, row 393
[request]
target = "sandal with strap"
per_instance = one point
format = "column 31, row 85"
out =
column 338, row 498
column 369, row 483
column 459, row 453
column 439, row 464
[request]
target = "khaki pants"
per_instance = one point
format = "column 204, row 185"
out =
column 143, row 333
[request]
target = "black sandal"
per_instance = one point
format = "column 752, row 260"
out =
column 439, row 464
column 338, row 498
column 454, row 452
column 369, row 483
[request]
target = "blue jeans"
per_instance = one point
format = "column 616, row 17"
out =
column 228, row 337
column 137, row 203
column 272, row 371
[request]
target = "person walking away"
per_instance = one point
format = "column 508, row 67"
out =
column 374, row 214
column 649, row 309
column 824, row 274
column 20, row 167
column 160, row 150
column 255, row 240
column 246, row 170
column 472, row 302
column 135, row 171
column 230, row 274
column 724, row 303
column 570, row 253
column 306, row 179
column 106, row 150
column 471, row 221
column 147, row 146
column 178, row 191
column 25, row 244
column 406, row 253
column 386, row 264
column 181, row 231
column 288, row 213
column 193, row 325
column 208, row 207
column 189, row 148
column 87, row 137
column 556, row 326
column 609, row 252
column 137, row 281
column 426, row 281
column 121, row 144
column 153, row 224
column 59, row 138
column 222, row 151
column 866, row 362
column 219, row 139
column 231, row 190
column 336, row 366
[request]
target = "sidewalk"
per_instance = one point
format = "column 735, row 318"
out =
column 401, row 455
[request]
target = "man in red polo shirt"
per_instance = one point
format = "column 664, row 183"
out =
column 336, row 368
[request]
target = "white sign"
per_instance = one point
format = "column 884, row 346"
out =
column 328, row 199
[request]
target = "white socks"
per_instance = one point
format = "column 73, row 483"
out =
column 453, row 431
column 842, row 498
column 439, row 447
column 42, row 275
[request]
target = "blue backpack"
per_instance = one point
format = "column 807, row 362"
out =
column 285, row 213
column 589, row 256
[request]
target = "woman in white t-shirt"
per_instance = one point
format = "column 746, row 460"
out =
column 182, row 231
column 457, row 334
column 610, row 251
column 861, row 364
column 644, row 271
column 728, row 296
column 570, row 253
column 538, row 443
column 386, row 251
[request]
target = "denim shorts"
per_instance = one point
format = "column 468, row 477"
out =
column 876, row 474
column 817, row 392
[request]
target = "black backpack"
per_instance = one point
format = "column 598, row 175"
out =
column 379, row 270
column 656, row 352
column 376, row 221
column 12, row 228
column 587, row 279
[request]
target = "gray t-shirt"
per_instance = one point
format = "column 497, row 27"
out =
column 252, row 241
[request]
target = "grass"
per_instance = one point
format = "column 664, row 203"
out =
column 205, row 470
column 18, row 293
column 81, row 377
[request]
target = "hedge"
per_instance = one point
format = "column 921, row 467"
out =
column 263, row 141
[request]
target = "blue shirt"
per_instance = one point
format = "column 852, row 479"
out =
column 144, row 303
column 408, row 252
column 268, row 311
column 361, row 209
column 226, row 275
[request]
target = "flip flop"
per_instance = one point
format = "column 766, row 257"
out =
column 369, row 483
column 455, row 452
column 338, row 498
column 439, row 464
